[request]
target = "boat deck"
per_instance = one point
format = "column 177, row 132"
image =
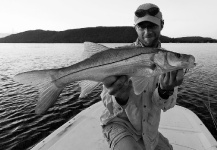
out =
column 181, row 126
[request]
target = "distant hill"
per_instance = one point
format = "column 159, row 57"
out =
column 194, row 39
column 94, row 34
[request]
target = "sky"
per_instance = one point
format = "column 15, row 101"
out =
column 181, row 17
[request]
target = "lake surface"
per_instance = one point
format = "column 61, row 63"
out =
column 21, row 128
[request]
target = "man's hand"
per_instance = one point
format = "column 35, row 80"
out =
column 171, row 79
column 118, row 86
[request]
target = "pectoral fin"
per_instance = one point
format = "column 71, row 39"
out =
column 139, row 84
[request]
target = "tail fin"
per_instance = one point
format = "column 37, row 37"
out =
column 43, row 80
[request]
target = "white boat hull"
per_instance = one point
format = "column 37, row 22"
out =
column 181, row 126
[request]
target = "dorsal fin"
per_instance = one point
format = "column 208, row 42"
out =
column 91, row 48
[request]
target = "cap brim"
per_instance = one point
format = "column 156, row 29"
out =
column 149, row 18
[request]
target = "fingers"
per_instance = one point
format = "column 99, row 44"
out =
column 109, row 81
column 119, row 86
column 171, row 79
column 180, row 75
column 116, row 84
column 173, row 76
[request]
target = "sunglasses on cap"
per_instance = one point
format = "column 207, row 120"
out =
column 151, row 11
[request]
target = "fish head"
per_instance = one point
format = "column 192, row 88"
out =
column 169, row 61
column 180, row 60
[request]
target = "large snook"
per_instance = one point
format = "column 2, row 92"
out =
column 99, row 62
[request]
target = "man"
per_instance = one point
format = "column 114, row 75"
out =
column 131, row 122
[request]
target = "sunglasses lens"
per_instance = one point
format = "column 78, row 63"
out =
column 149, row 25
column 151, row 11
column 140, row 13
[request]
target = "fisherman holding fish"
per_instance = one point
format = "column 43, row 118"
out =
column 130, row 121
column 138, row 80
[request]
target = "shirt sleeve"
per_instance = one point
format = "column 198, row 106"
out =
column 110, row 102
column 165, row 104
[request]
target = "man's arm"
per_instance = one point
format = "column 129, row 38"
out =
column 120, row 86
column 170, row 80
column 165, row 94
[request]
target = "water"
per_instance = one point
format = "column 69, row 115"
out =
column 21, row 128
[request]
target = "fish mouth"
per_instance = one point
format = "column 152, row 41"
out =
column 189, row 66
column 191, row 62
column 186, row 70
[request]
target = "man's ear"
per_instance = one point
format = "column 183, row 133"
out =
column 136, row 28
column 162, row 24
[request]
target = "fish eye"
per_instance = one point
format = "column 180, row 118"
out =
column 178, row 55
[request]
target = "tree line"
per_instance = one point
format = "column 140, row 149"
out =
column 93, row 34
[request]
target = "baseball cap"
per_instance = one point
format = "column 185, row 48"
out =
column 148, row 12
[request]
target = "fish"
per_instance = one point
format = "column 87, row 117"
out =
column 98, row 62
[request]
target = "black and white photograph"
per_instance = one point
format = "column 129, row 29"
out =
column 108, row 75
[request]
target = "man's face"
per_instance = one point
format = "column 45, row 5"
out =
column 148, row 33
